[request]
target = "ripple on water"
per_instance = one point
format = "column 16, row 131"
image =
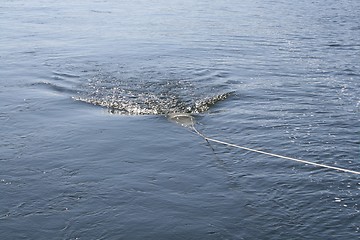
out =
column 149, row 92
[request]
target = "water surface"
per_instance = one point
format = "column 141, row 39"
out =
column 74, row 170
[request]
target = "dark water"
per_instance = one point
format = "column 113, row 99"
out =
column 73, row 170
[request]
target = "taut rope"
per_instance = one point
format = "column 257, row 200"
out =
column 271, row 154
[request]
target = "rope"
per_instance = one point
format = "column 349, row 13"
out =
column 272, row 154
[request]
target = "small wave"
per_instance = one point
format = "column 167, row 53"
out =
column 101, row 11
column 55, row 87
column 149, row 92
column 61, row 75
column 154, row 105
column 340, row 46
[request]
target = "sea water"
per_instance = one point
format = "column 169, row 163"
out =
column 73, row 170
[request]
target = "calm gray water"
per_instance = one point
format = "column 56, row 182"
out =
column 76, row 163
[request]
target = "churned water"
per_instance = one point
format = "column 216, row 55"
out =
column 278, row 76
